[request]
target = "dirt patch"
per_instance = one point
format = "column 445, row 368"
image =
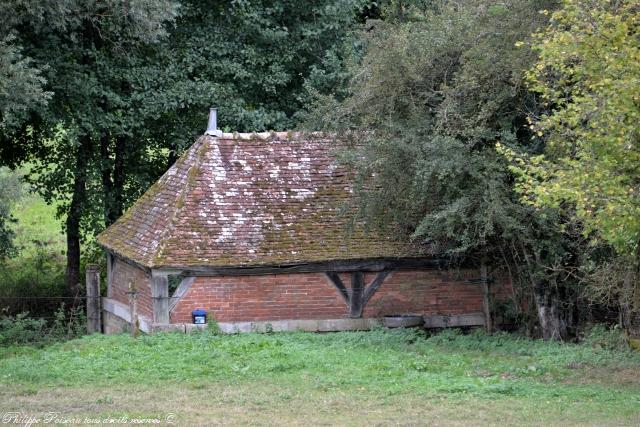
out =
column 620, row 377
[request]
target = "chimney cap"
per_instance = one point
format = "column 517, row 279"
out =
column 212, row 126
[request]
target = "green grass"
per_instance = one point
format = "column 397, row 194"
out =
column 356, row 378
column 36, row 272
column 37, row 227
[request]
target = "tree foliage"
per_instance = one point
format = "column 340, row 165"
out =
column 588, row 78
column 255, row 60
column 432, row 96
column 68, row 48
column 588, row 75
column 439, row 92
column 10, row 190
column 21, row 86
column 109, row 93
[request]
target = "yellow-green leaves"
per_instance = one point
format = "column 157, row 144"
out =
column 588, row 71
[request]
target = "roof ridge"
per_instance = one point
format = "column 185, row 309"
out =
column 200, row 150
column 273, row 135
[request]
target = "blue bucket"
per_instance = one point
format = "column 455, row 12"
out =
column 199, row 316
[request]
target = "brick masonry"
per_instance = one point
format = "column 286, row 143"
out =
column 122, row 274
column 311, row 296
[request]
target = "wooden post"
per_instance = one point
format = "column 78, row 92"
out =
column 94, row 315
column 357, row 289
column 160, row 298
column 110, row 262
column 486, row 297
column 133, row 307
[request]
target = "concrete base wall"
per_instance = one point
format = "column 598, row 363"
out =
column 313, row 325
column 113, row 324
column 117, row 318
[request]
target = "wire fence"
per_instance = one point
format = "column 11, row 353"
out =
column 46, row 307
column 43, row 307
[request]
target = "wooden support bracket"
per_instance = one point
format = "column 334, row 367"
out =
column 358, row 295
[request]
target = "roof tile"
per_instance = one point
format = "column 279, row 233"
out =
column 248, row 200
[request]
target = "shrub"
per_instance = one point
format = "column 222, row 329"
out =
column 34, row 283
column 212, row 327
column 22, row 329
column 602, row 336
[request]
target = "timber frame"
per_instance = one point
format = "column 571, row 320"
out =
column 364, row 265
column 358, row 295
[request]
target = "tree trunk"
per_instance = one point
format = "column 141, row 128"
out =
column 112, row 179
column 119, row 176
column 629, row 300
column 76, row 209
column 548, row 298
column 107, row 183
column 551, row 315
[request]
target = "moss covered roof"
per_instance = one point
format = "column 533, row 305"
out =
column 248, row 200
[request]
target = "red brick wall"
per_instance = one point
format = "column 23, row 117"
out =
column 311, row 296
column 123, row 273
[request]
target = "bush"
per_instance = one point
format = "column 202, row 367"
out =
column 34, row 283
column 22, row 329
column 602, row 336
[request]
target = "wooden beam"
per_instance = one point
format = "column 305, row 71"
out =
column 127, row 260
column 358, row 295
column 357, row 288
column 160, row 298
column 342, row 266
column 94, row 321
column 335, row 280
column 454, row 320
column 133, row 306
column 486, row 298
column 374, row 285
column 181, row 290
column 111, row 261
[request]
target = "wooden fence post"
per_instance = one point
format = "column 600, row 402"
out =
column 133, row 305
column 94, row 315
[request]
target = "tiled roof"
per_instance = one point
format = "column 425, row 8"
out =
column 248, row 200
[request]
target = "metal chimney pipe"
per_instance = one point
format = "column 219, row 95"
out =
column 212, row 126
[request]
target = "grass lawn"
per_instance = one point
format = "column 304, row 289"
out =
column 352, row 378
column 37, row 226
column 37, row 269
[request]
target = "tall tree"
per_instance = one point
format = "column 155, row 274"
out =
column 439, row 90
column 237, row 56
column 588, row 76
column 111, row 103
column 64, row 46
column 256, row 60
